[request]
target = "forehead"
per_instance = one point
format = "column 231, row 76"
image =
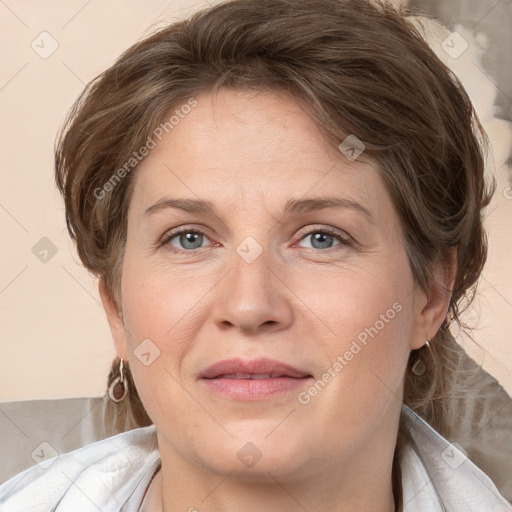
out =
column 251, row 147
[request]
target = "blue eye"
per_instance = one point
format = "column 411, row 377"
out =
column 324, row 239
column 320, row 240
column 186, row 240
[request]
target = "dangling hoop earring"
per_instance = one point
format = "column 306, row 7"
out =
column 114, row 393
column 419, row 367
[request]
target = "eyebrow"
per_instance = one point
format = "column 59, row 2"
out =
column 292, row 205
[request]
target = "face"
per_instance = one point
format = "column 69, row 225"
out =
column 268, row 304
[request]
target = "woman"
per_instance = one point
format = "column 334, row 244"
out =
column 282, row 200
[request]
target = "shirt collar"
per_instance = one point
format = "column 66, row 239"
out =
column 437, row 476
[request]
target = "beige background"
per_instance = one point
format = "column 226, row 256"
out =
column 54, row 336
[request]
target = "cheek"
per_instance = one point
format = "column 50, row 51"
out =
column 158, row 298
column 159, row 306
column 369, row 315
column 363, row 302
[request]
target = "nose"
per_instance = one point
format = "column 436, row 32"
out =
column 253, row 297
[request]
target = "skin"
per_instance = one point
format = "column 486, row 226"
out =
column 249, row 153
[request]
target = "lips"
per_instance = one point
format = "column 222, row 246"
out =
column 255, row 369
column 253, row 380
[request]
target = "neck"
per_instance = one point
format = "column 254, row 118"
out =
column 276, row 496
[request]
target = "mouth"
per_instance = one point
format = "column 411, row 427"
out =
column 253, row 380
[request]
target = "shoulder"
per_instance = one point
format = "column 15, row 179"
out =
column 437, row 475
column 100, row 476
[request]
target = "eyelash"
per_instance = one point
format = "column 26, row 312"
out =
column 344, row 240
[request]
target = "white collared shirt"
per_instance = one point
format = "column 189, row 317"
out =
column 112, row 476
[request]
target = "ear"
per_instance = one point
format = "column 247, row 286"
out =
column 115, row 321
column 432, row 306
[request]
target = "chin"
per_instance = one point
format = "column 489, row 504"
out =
column 254, row 452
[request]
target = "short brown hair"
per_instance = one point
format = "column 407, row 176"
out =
column 357, row 67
